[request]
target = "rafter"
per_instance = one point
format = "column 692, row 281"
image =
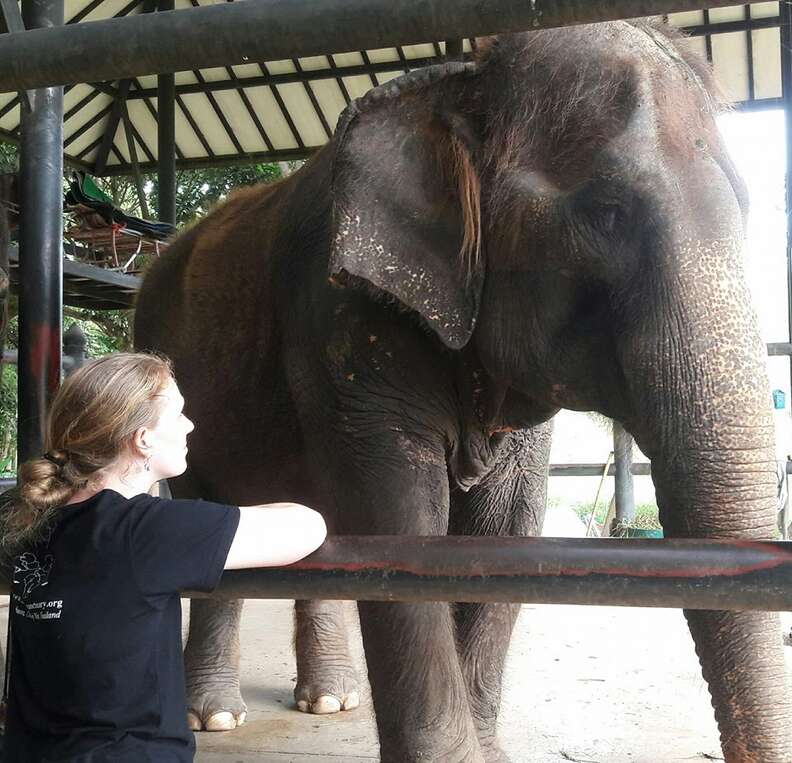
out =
column 119, row 107
column 271, row 80
column 284, row 111
column 222, row 160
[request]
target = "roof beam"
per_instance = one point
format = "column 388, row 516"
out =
column 9, row 137
column 266, row 30
column 133, row 159
column 270, row 80
column 87, row 125
column 250, row 110
column 119, row 107
column 725, row 27
column 283, row 110
column 219, row 113
column 12, row 16
column 312, row 98
column 221, row 160
column 195, row 128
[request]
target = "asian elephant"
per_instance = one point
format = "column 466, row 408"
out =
column 383, row 335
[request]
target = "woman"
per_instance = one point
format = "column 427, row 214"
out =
column 96, row 661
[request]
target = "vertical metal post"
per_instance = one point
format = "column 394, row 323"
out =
column 453, row 50
column 785, row 10
column 166, row 138
column 40, row 246
column 622, row 459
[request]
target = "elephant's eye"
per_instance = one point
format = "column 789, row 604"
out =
column 612, row 217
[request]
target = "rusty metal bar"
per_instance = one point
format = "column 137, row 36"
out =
column 693, row 574
column 266, row 30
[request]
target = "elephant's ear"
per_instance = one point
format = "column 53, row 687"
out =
column 406, row 216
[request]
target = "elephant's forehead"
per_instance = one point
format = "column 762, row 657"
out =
column 585, row 87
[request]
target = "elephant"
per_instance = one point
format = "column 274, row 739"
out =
column 387, row 333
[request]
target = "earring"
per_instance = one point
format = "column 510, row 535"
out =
column 147, row 464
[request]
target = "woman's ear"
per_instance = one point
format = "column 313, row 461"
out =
column 141, row 442
column 406, row 199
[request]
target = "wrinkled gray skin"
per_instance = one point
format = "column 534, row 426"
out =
column 407, row 394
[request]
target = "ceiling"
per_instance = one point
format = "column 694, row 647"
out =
column 283, row 110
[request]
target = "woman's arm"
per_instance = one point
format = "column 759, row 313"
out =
column 275, row 534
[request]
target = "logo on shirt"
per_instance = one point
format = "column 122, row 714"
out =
column 30, row 573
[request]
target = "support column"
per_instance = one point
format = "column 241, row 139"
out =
column 622, row 459
column 166, row 139
column 40, row 246
column 453, row 50
column 785, row 11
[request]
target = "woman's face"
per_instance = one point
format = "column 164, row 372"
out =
column 167, row 439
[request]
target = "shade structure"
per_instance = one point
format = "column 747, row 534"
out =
column 278, row 109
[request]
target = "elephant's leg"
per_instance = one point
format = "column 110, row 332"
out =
column 510, row 500
column 327, row 680
column 419, row 694
column 211, row 664
column 741, row 656
column 211, row 656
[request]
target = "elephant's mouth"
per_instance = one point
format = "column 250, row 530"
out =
column 518, row 411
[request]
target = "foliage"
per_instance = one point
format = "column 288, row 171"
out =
column 106, row 330
column 9, row 157
column 197, row 191
column 8, row 407
column 646, row 514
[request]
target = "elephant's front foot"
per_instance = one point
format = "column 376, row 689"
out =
column 494, row 754
column 327, row 688
column 214, row 704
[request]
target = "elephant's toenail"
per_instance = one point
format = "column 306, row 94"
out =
column 352, row 700
column 222, row 721
column 326, row 705
column 194, row 722
column 303, row 706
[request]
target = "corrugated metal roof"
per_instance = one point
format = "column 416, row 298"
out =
column 277, row 110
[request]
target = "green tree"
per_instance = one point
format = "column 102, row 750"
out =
column 9, row 157
column 197, row 191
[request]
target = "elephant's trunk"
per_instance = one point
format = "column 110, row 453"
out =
column 702, row 408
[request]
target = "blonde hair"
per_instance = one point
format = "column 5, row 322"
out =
column 94, row 416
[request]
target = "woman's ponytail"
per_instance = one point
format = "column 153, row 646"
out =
column 94, row 416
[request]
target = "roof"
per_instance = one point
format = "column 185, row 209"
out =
column 283, row 110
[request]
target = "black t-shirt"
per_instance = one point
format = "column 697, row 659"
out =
column 97, row 674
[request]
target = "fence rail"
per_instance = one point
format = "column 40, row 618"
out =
column 692, row 574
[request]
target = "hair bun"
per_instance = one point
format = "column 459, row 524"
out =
column 55, row 458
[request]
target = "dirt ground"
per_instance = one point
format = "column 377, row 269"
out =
column 584, row 684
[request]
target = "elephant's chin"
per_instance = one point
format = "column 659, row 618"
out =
column 473, row 457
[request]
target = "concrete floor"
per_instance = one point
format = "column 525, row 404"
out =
column 585, row 684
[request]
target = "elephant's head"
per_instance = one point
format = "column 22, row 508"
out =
column 563, row 208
